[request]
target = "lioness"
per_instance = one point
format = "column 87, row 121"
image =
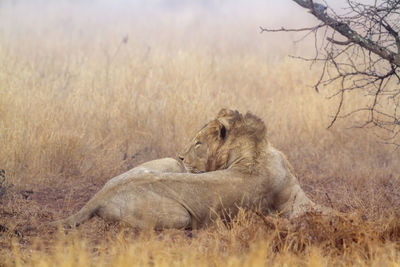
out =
column 231, row 164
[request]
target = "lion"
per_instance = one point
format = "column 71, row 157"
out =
column 229, row 164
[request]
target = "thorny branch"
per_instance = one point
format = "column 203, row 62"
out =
column 361, row 53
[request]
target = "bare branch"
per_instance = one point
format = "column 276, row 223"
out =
column 360, row 50
column 282, row 29
column 338, row 42
column 353, row 36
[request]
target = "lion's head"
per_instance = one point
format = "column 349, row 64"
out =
column 230, row 140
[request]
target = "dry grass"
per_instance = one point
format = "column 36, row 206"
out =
column 79, row 108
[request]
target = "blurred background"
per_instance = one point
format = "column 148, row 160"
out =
column 223, row 25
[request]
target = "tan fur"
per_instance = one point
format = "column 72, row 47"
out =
column 92, row 207
column 231, row 165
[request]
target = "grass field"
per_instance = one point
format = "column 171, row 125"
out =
column 83, row 99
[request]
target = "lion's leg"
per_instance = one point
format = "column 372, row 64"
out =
column 145, row 211
column 299, row 204
column 84, row 214
column 100, row 199
column 292, row 200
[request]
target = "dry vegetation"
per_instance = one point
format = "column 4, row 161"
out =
column 80, row 104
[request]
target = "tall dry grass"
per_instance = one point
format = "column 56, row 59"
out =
column 80, row 103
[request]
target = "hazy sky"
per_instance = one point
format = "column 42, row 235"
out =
column 154, row 22
column 101, row 11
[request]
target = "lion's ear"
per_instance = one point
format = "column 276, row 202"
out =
column 220, row 128
column 224, row 122
column 223, row 112
column 229, row 117
column 223, row 132
column 227, row 113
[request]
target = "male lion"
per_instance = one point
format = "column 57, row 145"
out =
column 231, row 165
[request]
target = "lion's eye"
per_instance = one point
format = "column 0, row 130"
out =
column 197, row 143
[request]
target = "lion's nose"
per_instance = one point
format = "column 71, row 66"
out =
column 181, row 158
